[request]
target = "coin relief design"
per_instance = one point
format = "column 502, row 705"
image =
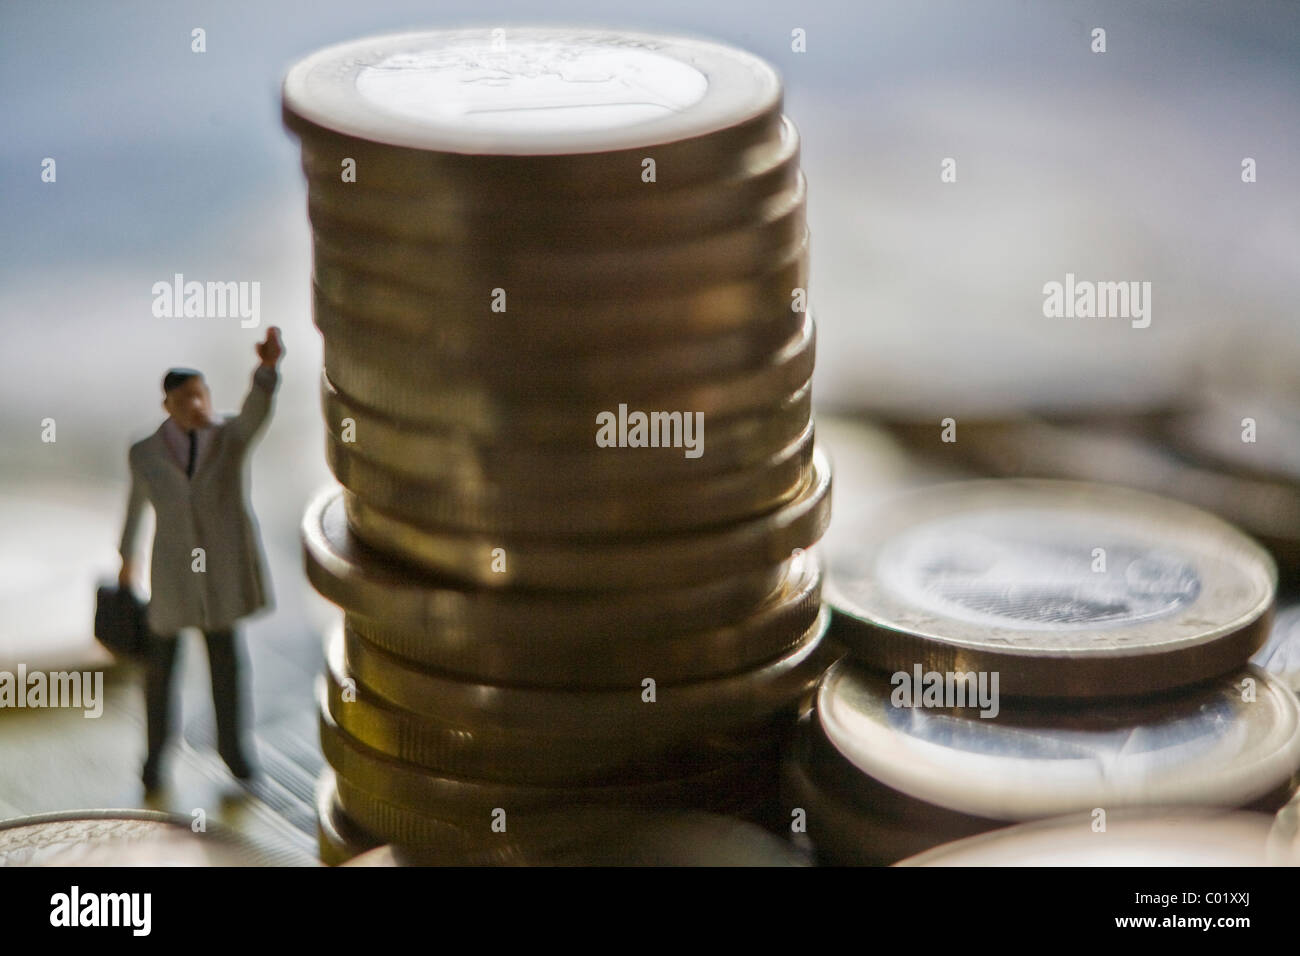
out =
column 538, row 85
column 1161, row 745
column 1035, row 569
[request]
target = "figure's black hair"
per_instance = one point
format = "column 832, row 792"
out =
column 176, row 377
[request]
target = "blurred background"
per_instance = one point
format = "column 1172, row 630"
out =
column 1124, row 165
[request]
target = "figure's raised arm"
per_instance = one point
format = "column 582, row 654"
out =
column 257, row 404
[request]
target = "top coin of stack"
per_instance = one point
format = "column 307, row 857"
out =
column 1065, row 589
column 561, row 279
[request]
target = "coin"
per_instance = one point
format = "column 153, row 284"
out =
column 433, row 453
column 772, row 224
column 558, row 109
column 674, row 710
column 1064, row 589
column 551, row 509
column 778, row 227
column 407, row 828
column 670, row 560
column 437, row 621
column 339, row 837
column 1170, row 837
column 603, row 652
column 1204, row 745
column 483, row 411
column 527, row 221
column 541, row 754
column 129, row 838
column 522, row 368
column 581, row 836
column 450, row 804
column 580, row 322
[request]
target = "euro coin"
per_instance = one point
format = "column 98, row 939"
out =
column 1064, row 589
column 530, row 418
column 518, row 366
column 450, row 804
column 500, row 561
column 551, row 509
column 539, row 754
column 778, row 228
column 604, row 651
column 678, row 711
column 437, row 620
column 574, row 320
column 443, row 454
column 608, row 96
column 528, row 221
column 1228, row 742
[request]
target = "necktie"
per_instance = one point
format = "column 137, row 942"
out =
column 194, row 450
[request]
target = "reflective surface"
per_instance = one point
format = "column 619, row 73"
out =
column 1202, row 746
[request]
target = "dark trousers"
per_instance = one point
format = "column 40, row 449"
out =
column 224, row 661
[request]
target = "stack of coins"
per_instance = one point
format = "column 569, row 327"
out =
column 1026, row 649
column 561, row 280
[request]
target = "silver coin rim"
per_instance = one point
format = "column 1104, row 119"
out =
column 321, row 89
column 866, row 604
column 977, row 784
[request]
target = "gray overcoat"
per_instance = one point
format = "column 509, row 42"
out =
column 208, row 511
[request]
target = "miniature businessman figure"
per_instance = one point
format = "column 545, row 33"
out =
column 208, row 569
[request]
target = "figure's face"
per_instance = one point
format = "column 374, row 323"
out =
column 190, row 404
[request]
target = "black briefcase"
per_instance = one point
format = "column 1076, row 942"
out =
column 120, row 623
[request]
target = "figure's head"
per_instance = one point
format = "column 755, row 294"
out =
column 187, row 399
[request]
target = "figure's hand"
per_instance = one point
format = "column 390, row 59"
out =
column 271, row 350
column 127, row 574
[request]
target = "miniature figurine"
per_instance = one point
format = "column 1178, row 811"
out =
column 208, row 568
